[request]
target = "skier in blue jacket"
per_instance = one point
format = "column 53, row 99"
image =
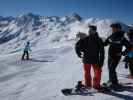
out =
column 26, row 51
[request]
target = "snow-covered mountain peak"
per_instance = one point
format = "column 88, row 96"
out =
column 27, row 15
column 47, row 29
column 76, row 16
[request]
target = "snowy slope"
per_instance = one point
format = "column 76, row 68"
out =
column 50, row 70
column 54, row 64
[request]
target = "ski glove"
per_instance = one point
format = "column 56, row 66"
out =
column 124, row 53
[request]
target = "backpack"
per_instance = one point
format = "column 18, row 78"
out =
column 130, row 53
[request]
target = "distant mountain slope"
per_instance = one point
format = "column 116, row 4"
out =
column 14, row 32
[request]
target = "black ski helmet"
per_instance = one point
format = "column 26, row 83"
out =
column 93, row 27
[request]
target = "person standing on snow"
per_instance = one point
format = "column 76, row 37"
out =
column 129, row 56
column 26, row 51
column 116, row 41
column 91, row 50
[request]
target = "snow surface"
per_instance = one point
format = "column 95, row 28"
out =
column 54, row 64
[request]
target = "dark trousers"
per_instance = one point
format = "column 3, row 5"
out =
column 131, row 68
column 112, row 65
column 26, row 53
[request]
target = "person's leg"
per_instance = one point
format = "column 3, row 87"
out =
column 131, row 68
column 27, row 53
column 126, row 62
column 97, row 76
column 87, row 75
column 112, row 65
column 126, row 65
column 23, row 55
column 109, row 67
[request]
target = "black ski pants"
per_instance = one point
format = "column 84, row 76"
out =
column 26, row 53
column 112, row 65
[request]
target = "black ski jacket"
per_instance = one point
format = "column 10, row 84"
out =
column 116, row 41
column 91, row 49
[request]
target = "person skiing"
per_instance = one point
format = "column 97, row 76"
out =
column 91, row 50
column 129, row 57
column 116, row 41
column 26, row 51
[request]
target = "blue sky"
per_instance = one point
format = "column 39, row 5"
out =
column 115, row 9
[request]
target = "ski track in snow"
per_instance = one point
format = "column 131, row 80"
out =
column 40, row 79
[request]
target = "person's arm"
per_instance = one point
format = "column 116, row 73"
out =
column 28, row 48
column 24, row 48
column 78, row 48
column 101, row 52
column 128, row 46
column 108, row 41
